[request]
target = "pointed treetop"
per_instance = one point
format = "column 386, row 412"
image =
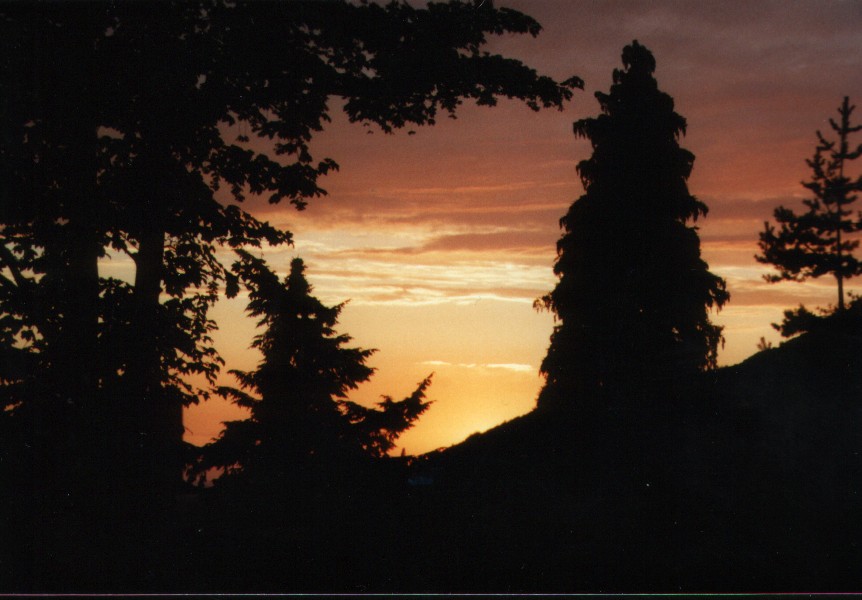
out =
column 296, row 281
column 637, row 58
column 297, row 267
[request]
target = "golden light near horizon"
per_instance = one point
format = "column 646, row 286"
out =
column 442, row 240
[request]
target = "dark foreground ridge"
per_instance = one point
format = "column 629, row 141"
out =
column 746, row 479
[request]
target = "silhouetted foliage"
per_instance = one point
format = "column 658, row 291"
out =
column 633, row 293
column 120, row 124
column 301, row 418
column 764, row 345
column 816, row 242
column 801, row 320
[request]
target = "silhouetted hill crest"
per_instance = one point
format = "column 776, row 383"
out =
column 753, row 470
column 819, row 370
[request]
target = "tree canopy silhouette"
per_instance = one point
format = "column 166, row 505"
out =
column 633, row 293
column 120, row 124
column 301, row 418
column 818, row 242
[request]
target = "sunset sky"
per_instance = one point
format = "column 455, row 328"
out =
column 442, row 240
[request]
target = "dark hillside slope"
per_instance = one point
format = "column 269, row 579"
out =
column 745, row 479
column 749, row 478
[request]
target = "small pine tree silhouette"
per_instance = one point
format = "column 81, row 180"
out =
column 816, row 242
column 301, row 420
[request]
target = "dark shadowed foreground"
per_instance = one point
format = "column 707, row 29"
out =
column 747, row 478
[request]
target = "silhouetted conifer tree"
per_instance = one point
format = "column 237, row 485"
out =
column 633, row 293
column 301, row 422
column 119, row 124
column 816, row 242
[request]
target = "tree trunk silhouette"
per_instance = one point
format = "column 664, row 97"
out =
column 839, row 275
column 153, row 424
column 77, row 349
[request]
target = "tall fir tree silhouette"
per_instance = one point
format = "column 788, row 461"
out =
column 633, row 294
column 302, row 424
